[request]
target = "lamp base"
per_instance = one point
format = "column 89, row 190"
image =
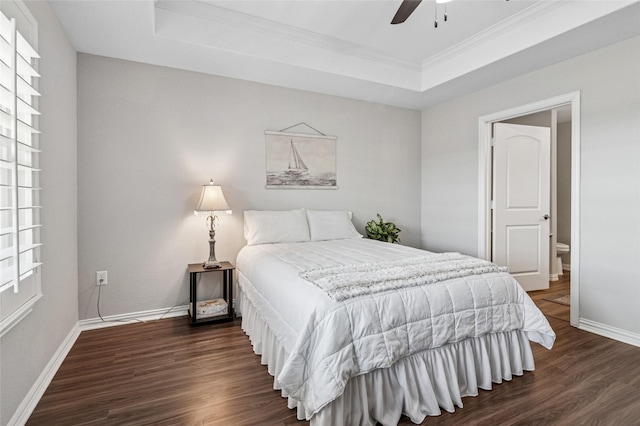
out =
column 208, row 264
column 212, row 262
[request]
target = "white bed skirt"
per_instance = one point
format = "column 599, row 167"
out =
column 417, row 386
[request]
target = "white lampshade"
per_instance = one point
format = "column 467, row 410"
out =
column 212, row 200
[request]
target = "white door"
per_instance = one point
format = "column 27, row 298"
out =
column 521, row 189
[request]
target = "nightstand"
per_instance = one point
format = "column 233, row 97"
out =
column 226, row 269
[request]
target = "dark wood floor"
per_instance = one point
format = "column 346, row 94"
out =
column 167, row 373
column 556, row 288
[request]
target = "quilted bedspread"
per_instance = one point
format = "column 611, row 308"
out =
column 332, row 341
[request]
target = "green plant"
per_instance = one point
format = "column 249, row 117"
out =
column 383, row 231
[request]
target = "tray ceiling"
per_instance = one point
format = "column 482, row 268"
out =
column 349, row 48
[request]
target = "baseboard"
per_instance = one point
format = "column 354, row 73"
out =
column 553, row 277
column 30, row 401
column 610, row 332
column 566, row 267
column 143, row 316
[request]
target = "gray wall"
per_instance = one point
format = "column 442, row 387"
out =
column 29, row 346
column 149, row 137
column 564, row 187
column 542, row 119
column 610, row 173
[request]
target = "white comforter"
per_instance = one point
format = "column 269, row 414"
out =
column 329, row 342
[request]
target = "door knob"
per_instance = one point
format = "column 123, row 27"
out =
column 546, row 217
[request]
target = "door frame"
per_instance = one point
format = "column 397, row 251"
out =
column 485, row 124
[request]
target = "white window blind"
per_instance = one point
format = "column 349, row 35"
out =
column 19, row 175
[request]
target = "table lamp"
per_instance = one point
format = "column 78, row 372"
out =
column 211, row 202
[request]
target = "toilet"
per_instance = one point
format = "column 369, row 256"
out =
column 561, row 249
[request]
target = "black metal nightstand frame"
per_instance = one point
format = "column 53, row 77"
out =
column 227, row 292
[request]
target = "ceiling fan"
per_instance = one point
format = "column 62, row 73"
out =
column 408, row 6
column 405, row 10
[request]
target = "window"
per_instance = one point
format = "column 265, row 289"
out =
column 19, row 160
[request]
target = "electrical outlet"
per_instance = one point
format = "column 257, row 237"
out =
column 101, row 278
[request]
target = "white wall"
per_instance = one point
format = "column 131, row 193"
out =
column 610, row 167
column 149, row 137
column 30, row 345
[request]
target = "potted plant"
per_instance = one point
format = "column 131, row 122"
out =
column 383, row 231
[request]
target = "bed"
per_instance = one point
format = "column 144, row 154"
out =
column 356, row 331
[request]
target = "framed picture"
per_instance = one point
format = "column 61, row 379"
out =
column 300, row 161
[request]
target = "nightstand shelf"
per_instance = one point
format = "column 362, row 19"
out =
column 195, row 269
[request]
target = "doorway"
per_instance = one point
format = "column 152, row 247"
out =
column 571, row 101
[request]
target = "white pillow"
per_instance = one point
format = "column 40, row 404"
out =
column 331, row 225
column 269, row 226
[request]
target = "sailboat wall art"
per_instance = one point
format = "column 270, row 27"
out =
column 300, row 161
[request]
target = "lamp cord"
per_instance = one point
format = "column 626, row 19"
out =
column 117, row 320
column 98, row 304
column 130, row 319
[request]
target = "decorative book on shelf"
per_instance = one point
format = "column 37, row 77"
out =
column 211, row 308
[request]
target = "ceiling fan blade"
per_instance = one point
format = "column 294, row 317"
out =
column 405, row 10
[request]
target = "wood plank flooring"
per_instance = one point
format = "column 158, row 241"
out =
column 168, row 373
column 556, row 288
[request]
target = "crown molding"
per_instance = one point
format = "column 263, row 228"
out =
column 521, row 18
column 539, row 23
column 255, row 24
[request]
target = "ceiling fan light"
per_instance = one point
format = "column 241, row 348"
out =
column 443, row 1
